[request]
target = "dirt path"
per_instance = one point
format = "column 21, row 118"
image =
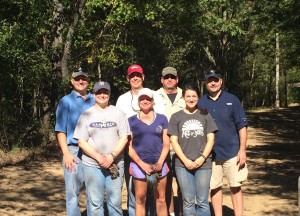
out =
column 33, row 186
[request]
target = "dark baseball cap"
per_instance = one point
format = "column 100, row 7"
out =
column 212, row 73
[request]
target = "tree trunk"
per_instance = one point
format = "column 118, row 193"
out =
column 285, row 102
column 277, row 100
column 57, row 40
column 49, row 95
column 67, row 49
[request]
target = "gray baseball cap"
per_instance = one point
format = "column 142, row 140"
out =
column 169, row 70
column 101, row 85
column 79, row 72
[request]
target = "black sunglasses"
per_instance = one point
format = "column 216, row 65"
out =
column 102, row 91
column 135, row 74
column 169, row 76
column 83, row 78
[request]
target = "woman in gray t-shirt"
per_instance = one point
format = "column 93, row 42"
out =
column 192, row 137
column 102, row 132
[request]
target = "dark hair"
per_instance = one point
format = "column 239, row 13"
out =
column 194, row 87
column 191, row 86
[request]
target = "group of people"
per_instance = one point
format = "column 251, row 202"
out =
column 151, row 137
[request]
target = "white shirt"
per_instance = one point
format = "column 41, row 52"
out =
column 128, row 103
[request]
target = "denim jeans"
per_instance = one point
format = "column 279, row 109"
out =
column 194, row 184
column 73, row 184
column 98, row 181
column 131, row 197
column 129, row 185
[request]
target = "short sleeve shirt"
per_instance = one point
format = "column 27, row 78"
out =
column 128, row 103
column 102, row 129
column 230, row 117
column 191, row 130
column 148, row 138
column 68, row 111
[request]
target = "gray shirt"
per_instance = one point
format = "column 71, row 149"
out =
column 102, row 129
column 191, row 130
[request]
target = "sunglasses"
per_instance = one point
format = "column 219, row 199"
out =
column 168, row 76
column 135, row 74
column 83, row 78
column 102, row 91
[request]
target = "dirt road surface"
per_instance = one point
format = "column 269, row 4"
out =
column 32, row 184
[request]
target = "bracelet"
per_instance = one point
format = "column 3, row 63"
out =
column 203, row 156
column 113, row 156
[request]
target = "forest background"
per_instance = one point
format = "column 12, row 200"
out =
column 254, row 43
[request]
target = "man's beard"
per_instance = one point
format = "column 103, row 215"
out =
column 171, row 87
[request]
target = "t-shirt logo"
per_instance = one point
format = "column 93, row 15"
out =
column 159, row 129
column 192, row 128
column 103, row 124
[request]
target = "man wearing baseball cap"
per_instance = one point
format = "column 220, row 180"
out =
column 102, row 132
column 68, row 111
column 128, row 103
column 229, row 151
column 173, row 101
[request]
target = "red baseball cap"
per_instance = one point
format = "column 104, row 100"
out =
column 134, row 68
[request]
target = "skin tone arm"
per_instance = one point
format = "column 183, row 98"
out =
column 166, row 146
column 242, row 152
column 135, row 157
column 104, row 161
column 207, row 150
column 189, row 164
column 68, row 158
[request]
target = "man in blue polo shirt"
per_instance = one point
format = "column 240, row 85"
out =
column 229, row 151
column 68, row 111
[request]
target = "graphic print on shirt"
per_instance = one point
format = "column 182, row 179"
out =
column 159, row 129
column 103, row 124
column 192, row 128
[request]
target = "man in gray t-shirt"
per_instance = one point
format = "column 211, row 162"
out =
column 102, row 132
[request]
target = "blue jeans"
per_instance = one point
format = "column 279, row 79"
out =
column 131, row 197
column 97, row 181
column 73, row 184
column 193, row 184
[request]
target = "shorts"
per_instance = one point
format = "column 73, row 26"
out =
column 137, row 172
column 231, row 170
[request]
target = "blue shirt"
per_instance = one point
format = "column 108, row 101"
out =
column 68, row 111
column 230, row 117
column 148, row 138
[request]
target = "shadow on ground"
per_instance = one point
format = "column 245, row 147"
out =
column 32, row 186
column 276, row 154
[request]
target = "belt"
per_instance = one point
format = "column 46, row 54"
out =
column 72, row 144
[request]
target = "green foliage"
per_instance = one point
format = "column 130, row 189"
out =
column 24, row 63
column 235, row 37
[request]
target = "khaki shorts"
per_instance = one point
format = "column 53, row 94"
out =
column 231, row 170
